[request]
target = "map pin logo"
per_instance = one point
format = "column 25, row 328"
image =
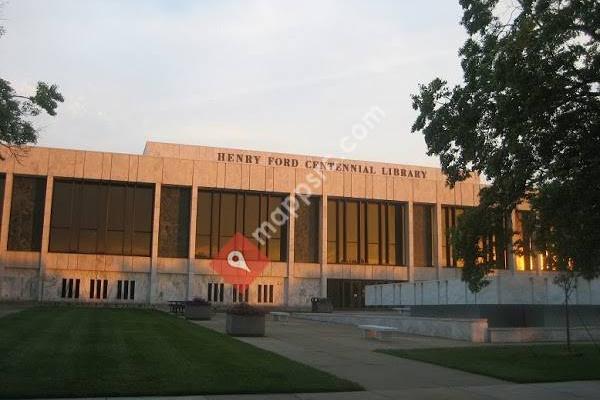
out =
column 235, row 259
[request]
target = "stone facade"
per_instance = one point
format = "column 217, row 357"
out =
column 472, row 330
column 506, row 287
column 38, row 275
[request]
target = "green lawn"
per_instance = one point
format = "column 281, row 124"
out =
column 524, row 364
column 84, row 352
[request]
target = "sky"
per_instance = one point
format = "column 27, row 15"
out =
column 281, row 76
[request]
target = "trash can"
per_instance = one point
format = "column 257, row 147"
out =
column 321, row 305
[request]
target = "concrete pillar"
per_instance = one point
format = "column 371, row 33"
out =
column 45, row 236
column 410, row 242
column 288, row 283
column 192, row 243
column 4, row 230
column 323, row 230
column 153, row 295
column 438, row 252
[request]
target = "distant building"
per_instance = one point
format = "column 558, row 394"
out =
column 106, row 227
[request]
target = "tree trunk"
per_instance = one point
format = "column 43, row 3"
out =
column 567, row 322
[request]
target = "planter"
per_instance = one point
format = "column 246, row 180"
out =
column 197, row 311
column 245, row 325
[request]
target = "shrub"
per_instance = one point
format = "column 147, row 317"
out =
column 199, row 301
column 244, row 309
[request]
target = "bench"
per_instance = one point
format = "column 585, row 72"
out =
column 378, row 332
column 280, row 316
column 177, row 307
column 402, row 310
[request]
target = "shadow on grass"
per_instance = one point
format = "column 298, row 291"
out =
column 516, row 363
column 92, row 352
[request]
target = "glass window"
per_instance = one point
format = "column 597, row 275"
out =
column 274, row 242
column 101, row 217
column 529, row 257
column 351, row 232
column 227, row 218
column 251, row 216
column 341, row 229
column 391, row 225
column 423, row 235
column 143, row 207
column 332, row 256
column 90, row 215
column 445, row 237
column 203, row 224
column 173, row 234
column 451, row 215
column 383, row 236
column 26, row 213
column 115, row 229
column 215, row 218
column 498, row 243
column 2, row 185
column 221, row 214
column 62, row 216
column 501, row 242
column 373, row 233
column 364, row 232
column 264, row 217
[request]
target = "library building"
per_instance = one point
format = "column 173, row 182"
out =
column 86, row 226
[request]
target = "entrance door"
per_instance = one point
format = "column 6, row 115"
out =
column 358, row 294
column 348, row 293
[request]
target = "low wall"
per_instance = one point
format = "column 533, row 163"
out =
column 473, row 330
column 541, row 334
column 513, row 315
column 505, row 288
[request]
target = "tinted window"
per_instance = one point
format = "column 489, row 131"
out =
column 221, row 214
column 2, row 185
column 373, row 233
column 101, row 217
column 332, row 256
column 203, row 219
column 364, row 232
column 449, row 222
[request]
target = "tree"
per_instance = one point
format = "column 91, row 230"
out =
column 527, row 117
column 567, row 281
column 16, row 130
column 478, row 240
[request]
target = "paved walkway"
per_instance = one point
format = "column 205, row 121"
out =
column 10, row 308
column 538, row 391
column 545, row 391
column 340, row 350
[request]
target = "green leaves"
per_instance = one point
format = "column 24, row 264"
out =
column 47, row 97
column 479, row 239
column 15, row 128
column 527, row 116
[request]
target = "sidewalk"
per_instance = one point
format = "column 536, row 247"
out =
column 340, row 350
column 7, row 308
column 544, row 391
